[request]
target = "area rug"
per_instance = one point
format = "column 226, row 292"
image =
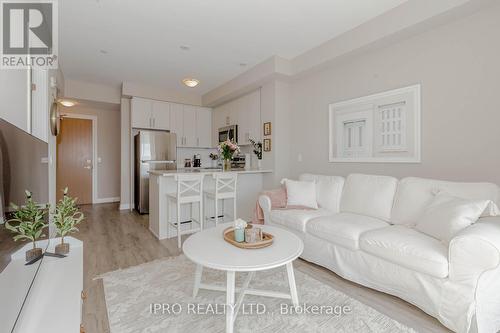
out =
column 157, row 297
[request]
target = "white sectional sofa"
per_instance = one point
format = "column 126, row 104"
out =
column 364, row 231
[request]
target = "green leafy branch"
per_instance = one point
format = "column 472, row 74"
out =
column 30, row 220
column 67, row 216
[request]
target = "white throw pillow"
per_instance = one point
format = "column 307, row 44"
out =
column 300, row 193
column 447, row 215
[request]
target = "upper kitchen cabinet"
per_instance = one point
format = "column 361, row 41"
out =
column 177, row 122
column 189, row 128
column 150, row 114
column 192, row 124
column 244, row 112
column 161, row 115
column 249, row 123
column 203, row 127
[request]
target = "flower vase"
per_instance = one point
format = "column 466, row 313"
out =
column 226, row 165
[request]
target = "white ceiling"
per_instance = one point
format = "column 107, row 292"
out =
column 142, row 38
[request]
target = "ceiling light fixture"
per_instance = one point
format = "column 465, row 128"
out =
column 191, row 83
column 67, row 103
column 243, row 64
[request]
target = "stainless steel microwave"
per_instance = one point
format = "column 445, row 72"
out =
column 228, row 132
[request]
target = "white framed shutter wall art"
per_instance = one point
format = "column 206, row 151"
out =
column 383, row 127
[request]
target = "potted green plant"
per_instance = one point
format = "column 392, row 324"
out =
column 29, row 220
column 257, row 150
column 66, row 217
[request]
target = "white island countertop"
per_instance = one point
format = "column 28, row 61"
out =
column 206, row 171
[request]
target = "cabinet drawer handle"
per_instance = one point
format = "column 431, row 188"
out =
column 84, row 295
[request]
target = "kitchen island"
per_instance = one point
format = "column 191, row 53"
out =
column 162, row 182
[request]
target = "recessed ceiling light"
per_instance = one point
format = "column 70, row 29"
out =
column 243, row 64
column 103, row 51
column 185, row 47
column 191, row 83
column 67, row 103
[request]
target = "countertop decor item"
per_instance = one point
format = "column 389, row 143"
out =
column 239, row 230
column 66, row 217
column 30, row 222
column 214, row 157
column 228, row 149
column 229, row 236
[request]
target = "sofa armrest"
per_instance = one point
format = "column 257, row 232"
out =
column 475, row 250
column 265, row 203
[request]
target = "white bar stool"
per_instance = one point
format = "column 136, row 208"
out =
column 189, row 191
column 224, row 188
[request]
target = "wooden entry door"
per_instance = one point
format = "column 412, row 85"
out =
column 74, row 159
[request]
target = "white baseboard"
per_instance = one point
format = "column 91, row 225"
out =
column 124, row 206
column 106, row 200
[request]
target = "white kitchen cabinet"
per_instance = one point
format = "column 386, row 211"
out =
column 160, row 114
column 192, row 124
column 150, row 114
column 244, row 112
column 204, row 127
column 177, row 122
column 189, row 126
column 141, row 113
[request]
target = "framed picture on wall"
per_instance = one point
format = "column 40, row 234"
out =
column 383, row 127
column 267, row 129
column 267, row 144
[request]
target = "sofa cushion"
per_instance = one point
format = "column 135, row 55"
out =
column 415, row 194
column 328, row 190
column 296, row 218
column 369, row 195
column 300, row 193
column 447, row 215
column 409, row 248
column 343, row 229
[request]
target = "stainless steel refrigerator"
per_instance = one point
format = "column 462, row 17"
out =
column 154, row 150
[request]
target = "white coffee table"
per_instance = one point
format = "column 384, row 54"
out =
column 209, row 249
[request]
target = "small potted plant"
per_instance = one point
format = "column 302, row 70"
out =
column 257, row 150
column 228, row 149
column 28, row 223
column 66, row 217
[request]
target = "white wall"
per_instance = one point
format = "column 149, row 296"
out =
column 92, row 91
column 458, row 67
column 132, row 89
column 125, row 157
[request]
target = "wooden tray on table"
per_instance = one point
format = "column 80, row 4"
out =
column 267, row 239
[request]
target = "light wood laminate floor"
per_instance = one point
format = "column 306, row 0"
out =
column 116, row 239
